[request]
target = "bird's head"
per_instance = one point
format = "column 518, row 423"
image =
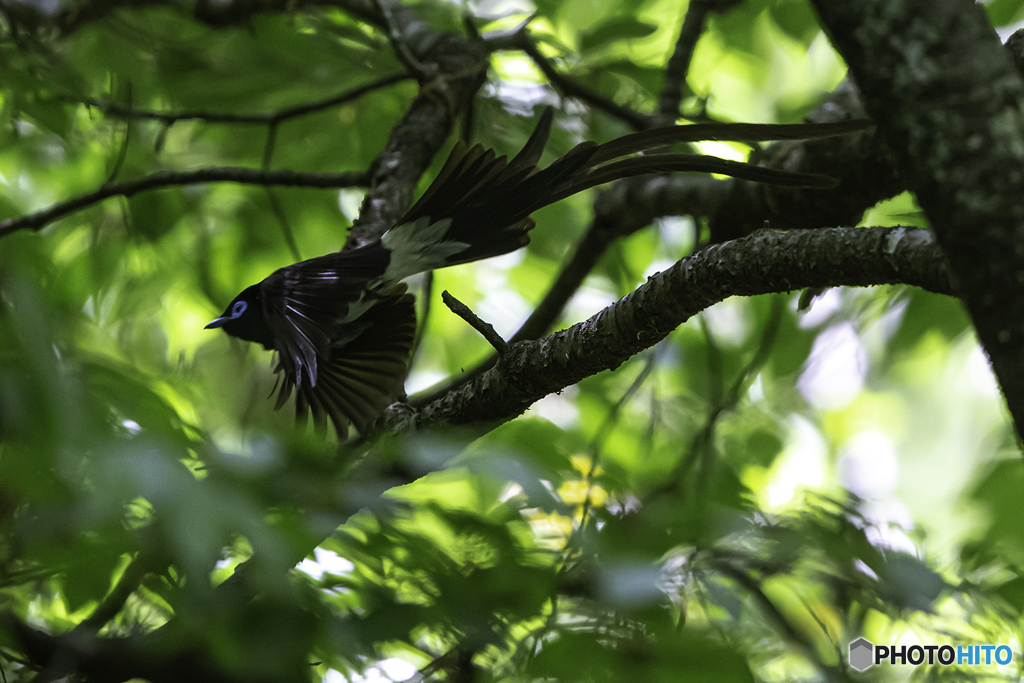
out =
column 244, row 318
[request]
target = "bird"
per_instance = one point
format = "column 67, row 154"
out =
column 343, row 324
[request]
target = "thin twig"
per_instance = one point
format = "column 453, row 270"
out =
column 247, row 176
column 589, row 251
column 679, row 63
column 700, row 446
column 437, row 664
column 123, row 153
column 268, row 146
column 425, row 296
column 571, row 88
column 610, row 420
column 824, row 629
column 114, row 602
column 716, row 375
column 507, row 40
column 787, row 628
column 269, row 117
column 485, row 329
column 282, row 219
column 423, row 72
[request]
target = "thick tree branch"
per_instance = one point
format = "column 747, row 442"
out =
column 620, row 210
column 949, row 103
column 249, row 176
column 458, row 67
column 762, row 263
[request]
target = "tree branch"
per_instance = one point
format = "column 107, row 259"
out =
column 860, row 162
column 570, row 88
column 279, row 116
column 620, row 210
column 214, row 13
column 458, row 67
column 249, row 176
column 762, row 263
column 485, row 329
column 679, row 64
column 783, row 625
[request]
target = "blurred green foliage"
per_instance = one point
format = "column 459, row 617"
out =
column 695, row 515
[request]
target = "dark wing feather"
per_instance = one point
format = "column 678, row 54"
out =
column 360, row 378
column 488, row 199
column 306, row 304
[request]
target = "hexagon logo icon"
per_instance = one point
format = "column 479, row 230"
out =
column 862, row 654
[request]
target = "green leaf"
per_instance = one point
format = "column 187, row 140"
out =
column 906, row 582
column 1012, row 592
column 998, row 495
column 927, row 312
column 667, row 658
column 614, row 30
column 155, row 213
column 762, row 447
column 796, row 19
column 1004, row 12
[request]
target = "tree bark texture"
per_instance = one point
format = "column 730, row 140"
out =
column 949, row 104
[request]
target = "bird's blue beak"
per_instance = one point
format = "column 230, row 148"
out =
column 219, row 322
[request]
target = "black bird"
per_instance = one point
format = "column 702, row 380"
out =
column 343, row 323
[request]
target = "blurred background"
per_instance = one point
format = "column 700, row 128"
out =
column 738, row 502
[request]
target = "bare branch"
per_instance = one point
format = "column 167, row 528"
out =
column 485, row 329
column 217, row 14
column 760, row 264
column 278, row 116
column 423, row 71
column 111, row 660
column 248, row 176
column 700, row 452
column 460, row 67
column 783, row 625
column 620, row 210
column 570, row 88
column 679, row 63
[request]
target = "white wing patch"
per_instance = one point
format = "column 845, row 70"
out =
column 418, row 247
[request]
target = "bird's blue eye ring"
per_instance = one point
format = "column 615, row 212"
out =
column 238, row 309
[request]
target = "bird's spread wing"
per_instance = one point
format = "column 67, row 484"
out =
column 484, row 201
column 309, row 304
column 358, row 380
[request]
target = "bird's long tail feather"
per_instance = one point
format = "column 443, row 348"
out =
column 479, row 205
